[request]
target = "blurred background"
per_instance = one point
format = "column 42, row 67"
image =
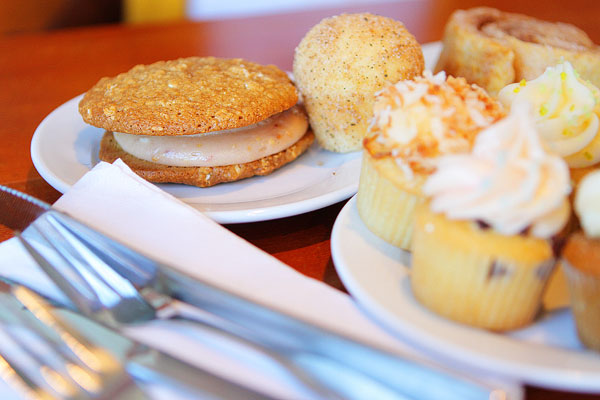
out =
column 22, row 16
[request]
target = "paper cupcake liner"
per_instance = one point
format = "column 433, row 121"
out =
column 584, row 291
column 472, row 286
column 385, row 208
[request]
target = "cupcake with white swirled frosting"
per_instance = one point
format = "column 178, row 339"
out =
column 566, row 110
column 483, row 244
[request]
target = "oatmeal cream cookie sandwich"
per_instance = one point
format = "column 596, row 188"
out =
column 415, row 122
column 199, row 121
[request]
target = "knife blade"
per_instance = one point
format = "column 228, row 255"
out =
column 18, row 210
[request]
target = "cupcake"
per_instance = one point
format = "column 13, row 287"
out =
column 581, row 262
column 414, row 122
column 483, row 244
column 566, row 110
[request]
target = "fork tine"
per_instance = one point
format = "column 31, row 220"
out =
column 91, row 267
column 71, row 291
column 130, row 264
column 16, row 378
column 90, row 283
column 85, row 277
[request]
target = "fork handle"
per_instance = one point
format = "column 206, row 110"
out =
column 314, row 384
column 317, row 350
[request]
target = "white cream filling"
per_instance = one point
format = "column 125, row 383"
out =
column 232, row 146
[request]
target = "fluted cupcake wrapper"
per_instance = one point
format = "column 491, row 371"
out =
column 469, row 285
column 584, row 291
column 384, row 207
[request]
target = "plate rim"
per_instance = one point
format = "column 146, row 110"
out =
column 548, row 376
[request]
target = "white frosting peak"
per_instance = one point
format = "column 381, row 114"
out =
column 508, row 181
column 587, row 204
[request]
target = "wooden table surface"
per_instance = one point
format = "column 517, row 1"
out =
column 40, row 71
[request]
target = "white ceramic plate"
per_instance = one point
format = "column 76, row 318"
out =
column 546, row 354
column 64, row 148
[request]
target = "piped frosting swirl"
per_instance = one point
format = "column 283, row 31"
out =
column 508, row 181
column 566, row 110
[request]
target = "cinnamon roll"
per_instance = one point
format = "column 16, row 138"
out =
column 493, row 48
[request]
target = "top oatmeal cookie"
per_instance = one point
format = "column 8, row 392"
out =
column 188, row 96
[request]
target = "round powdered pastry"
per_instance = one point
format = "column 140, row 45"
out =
column 341, row 63
column 188, row 96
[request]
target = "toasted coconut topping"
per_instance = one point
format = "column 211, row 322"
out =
column 416, row 121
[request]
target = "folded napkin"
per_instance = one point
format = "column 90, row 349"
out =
column 114, row 200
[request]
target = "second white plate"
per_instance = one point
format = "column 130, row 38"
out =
column 377, row 275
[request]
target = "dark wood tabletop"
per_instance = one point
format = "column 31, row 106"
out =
column 40, row 71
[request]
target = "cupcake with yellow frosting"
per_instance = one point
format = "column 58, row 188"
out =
column 581, row 262
column 483, row 244
column 415, row 121
column 566, row 110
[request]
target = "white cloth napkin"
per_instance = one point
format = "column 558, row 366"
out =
column 114, row 200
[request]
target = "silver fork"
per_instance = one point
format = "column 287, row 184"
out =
column 118, row 286
column 107, row 297
column 60, row 361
